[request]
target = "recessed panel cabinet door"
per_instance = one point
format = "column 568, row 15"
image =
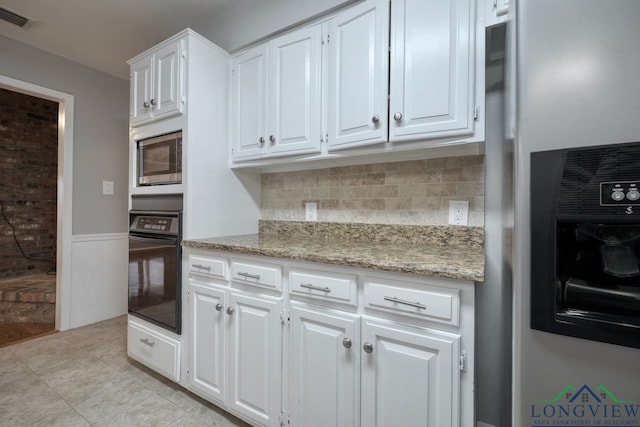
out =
column 325, row 361
column 254, row 354
column 140, row 91
column 249, row 98
column 167, row 99
column 358, row 76
column 206, row 325
column 431, row 69
column 410, row 377
column 294, row 97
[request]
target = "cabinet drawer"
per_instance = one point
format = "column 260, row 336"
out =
column 323, row 285
column 413, row 299
column 214, row 267
column 154, row 349
column 260, row 274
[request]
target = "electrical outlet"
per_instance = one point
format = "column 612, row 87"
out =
column 459, row 212
column 311, row 211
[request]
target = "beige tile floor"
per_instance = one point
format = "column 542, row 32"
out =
column 83, row 377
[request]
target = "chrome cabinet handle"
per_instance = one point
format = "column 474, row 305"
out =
column 247, row 275
column 397, row 116
column 272, row 138
column 315, row 288
column 346, row 343
column 416, row 304
column 218, row 307
column 230, row 310
column 153, row 102
column 261, row 140
column 375, row 119
column 201, row 267
column 367, row 347
column 147, row 342
column 145, row 104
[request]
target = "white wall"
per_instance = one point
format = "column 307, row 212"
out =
column 98, row 278
column 100, row 131
column 238, row 24
column 579, row 68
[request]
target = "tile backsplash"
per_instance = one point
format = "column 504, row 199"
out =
column 415, row 192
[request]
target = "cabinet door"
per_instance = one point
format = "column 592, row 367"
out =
column 140, row 91
column 358, row 76
column 431, row 69
column 325, row 355
column 255, row 357
column 249, row 98
column 206, row 349
column 294, row 93
column 410, row 377
column 167, row 99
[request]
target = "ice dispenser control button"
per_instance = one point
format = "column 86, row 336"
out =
column 633, row 195
column 617, row 195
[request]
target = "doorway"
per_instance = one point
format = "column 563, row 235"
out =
column 28, row 197
column 63, row 205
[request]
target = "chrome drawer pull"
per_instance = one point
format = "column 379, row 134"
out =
column 201, row 267
column 416, row 304
column 147, row 342
column 252, row 276
column 315, row 288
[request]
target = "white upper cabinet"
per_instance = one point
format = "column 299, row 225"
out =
column 294, row 113
column 140, row 109
column 408, row 73
column 432, row 69
column 249, row 103
column 156, row 83
column 358, row 76
column 276, row 97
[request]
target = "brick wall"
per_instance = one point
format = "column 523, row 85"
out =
column 414, row 192
column 28, row 177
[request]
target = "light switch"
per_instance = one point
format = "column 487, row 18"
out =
column 107, row 188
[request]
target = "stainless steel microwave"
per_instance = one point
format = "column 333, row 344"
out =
column 160, row 159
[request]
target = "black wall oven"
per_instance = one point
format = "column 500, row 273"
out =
column 154, row 267
column 585, row 243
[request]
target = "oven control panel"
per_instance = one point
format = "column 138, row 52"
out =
column 155, row 224
column 622, row 193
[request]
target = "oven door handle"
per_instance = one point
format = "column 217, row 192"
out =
column 171, row 240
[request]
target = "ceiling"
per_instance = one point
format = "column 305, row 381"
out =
column 103, row 34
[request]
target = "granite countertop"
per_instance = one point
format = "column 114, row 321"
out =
column 439, row 251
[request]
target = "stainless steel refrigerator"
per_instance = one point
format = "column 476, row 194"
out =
column 577, row 84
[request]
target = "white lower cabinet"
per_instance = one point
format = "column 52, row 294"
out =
column 410, row 376
column 325, row 367
column 154, row 347
column 254, row 355
column 206, row 324
column 309, row 359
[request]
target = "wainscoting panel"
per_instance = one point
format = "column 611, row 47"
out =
column 98, row 277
